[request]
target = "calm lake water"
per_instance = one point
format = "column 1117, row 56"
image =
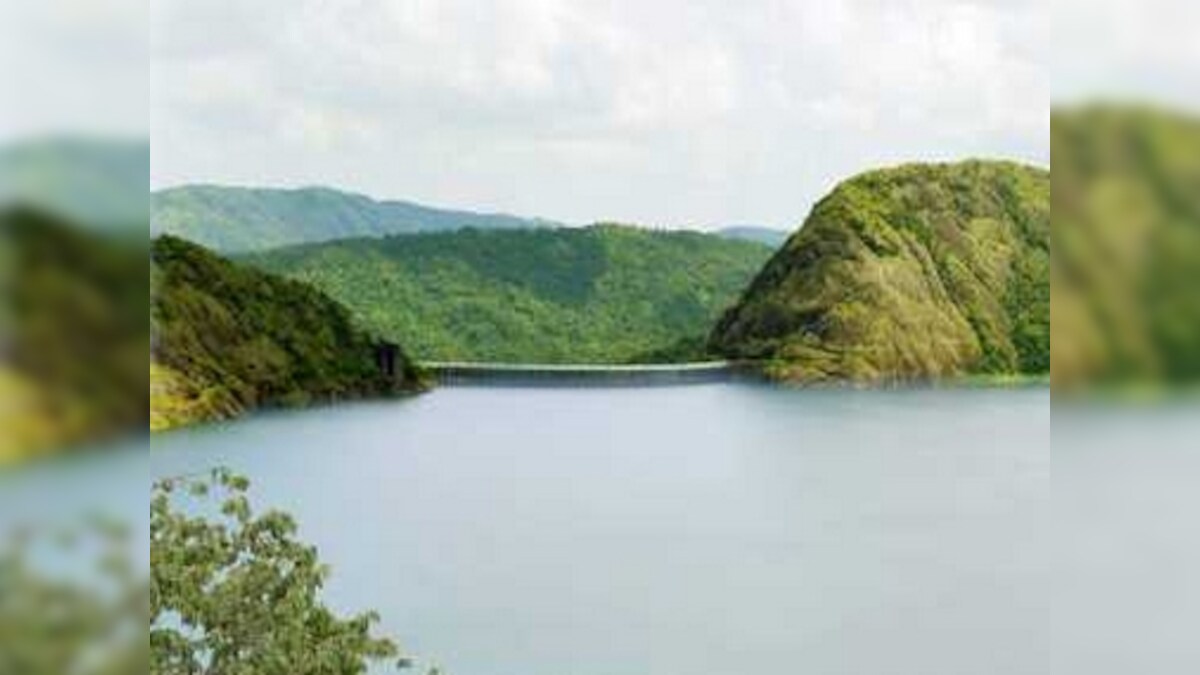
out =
column 716, row 528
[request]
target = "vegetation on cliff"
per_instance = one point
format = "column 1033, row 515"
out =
column 601, row 294
column 228, row 338
column 919, row 271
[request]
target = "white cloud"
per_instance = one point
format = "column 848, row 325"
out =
column 672, row 112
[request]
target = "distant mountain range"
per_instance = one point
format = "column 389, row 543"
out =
column 104, row 183
column 763, row 235
column 240, row 219
column 99, row 183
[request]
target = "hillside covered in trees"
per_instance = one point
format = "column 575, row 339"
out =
column 601, row 294
column 227, row 339
column 240, row 219
column 919, row 271
column 73, row 323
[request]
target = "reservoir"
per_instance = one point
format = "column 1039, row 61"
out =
column 719, row 527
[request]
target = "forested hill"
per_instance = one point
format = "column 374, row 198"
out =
column 240, row 219
column 912, row 272
column 1127, row 246
column 73, row 366
column 600, row 294
column 228, row 338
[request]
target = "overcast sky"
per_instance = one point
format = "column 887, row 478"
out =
column 675, row 112
column 74, row 66
column 671, row 112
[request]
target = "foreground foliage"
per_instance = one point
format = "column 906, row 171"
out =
column 229, row 338
column 228, row 592
column 913, row 272
column 234, row 593
column 88, row 621
column 603, row 294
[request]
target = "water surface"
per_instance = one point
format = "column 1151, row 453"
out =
column 715, row 528
column 720, row 528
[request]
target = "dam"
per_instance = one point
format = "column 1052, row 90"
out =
column 579, row 374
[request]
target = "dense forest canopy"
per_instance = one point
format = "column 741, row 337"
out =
column 911, row 272
column 601, row 294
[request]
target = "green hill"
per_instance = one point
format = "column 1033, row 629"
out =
column 919, row 271
column 1126, row 214
column 73, row 321
column 228, row 338
column 237, row 219
column 599, row 294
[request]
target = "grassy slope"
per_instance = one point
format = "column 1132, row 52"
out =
column 598, row 294
column 237, row 219
column 229, row 338
column 1126, row 213
column 909, row 272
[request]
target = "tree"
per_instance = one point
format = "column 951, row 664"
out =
column 71, row 602
column 232, row 593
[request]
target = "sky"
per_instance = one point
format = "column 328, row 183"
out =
column 697, row 113
column 74, row 67
column 1145, row 50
